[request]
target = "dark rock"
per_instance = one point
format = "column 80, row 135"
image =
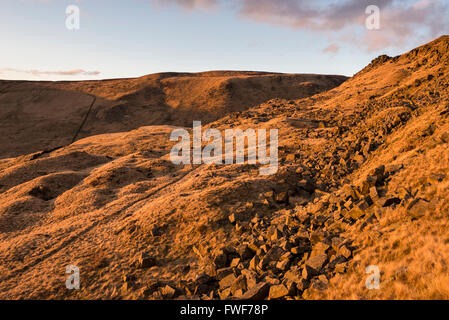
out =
column 390, row 202
column 314, row 265
column 245, row 252
column 282, row 197
column 223, row 272
column 258, row 292
column 204, row 279
column 144, row 261
column 251, row 278
column 238, row 284
column 221, row 260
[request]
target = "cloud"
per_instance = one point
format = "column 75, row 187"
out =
column 189, row 4
column 75, row 72
column 332, row 48
column 403, row 22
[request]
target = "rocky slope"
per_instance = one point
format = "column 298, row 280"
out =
column 45, row 115
column 362, row 181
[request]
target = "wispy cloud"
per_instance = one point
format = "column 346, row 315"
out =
column 402, row 21
column 34, row 72
column 189, row 4
column 332, row 48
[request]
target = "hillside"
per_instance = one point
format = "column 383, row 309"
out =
column 362, row 180
column 38, row 116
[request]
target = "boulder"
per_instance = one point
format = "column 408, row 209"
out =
column 278, row 291
column 258, row 292
column 314, row 265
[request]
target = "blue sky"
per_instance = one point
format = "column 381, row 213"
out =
column 130, row 38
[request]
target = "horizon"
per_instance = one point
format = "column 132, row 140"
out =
column 209, row 35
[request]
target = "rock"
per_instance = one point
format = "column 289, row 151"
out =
column 341, row 267
column 349, row 204
column 272, row 255
column 224, row 294
column 348, row 192
column 356, row 213
column 276, row 235
column 336, row 260
column 302, row 285
column 390, row 202
column 379, row 173
column 221, row 260
column 297, row 250
column 129, row 278
column 367, row 184
column 444, row 137
column 373, row 193
column 304, row 123
column 319, row 249
column 337, row 242
column 168, row 292
column 254, row 263
column 238, row 284
column 292, row 276
column 297, row 201
column 418, row 208
column 314, row 265
column 238, row 293
column 345, row 252
column 144, row 261
column 277, row 292
column 291, row 157
column 227, row 281
column 306, row 185
column 283, row 265
column 272, row 280
column 235, row 262
column 282, row 197
column 251, row 278
column 285, row 245
column 379, row 212
column 156, row 231
column 258, row 292
column 269, row 195
column 127, row 286
column 291, row 288
column 393, row 168
column 223, row 272
column 364, row 204
column 245, row 252
column 150, row 289
column 204, row 279
column 317, row 236
column 320, row 284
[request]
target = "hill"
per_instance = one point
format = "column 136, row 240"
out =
column 362, row 181
column 46, row 115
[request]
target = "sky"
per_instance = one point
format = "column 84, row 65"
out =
column 132, row 38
